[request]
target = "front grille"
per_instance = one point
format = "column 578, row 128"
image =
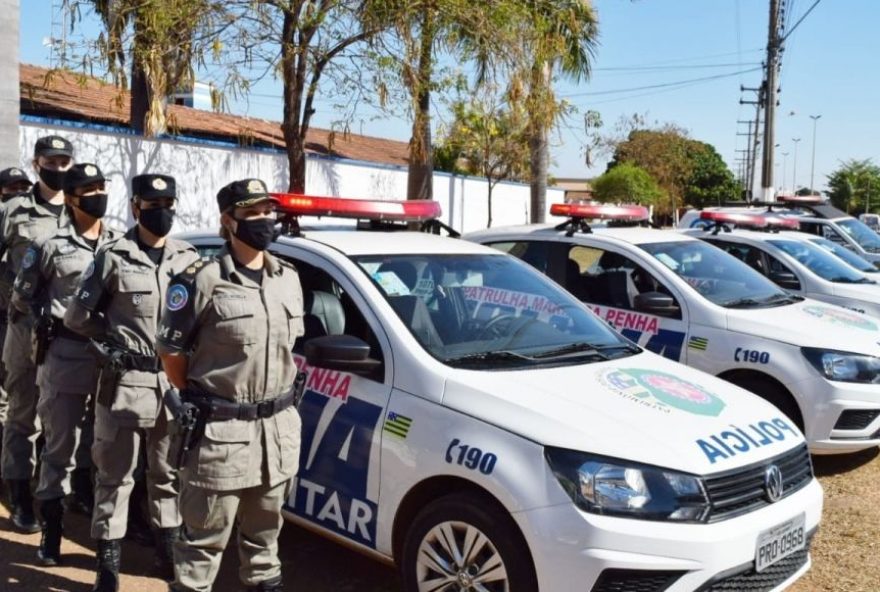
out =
column 749, row 580
column 635, row 580
column 742, row 490
column 856, row 419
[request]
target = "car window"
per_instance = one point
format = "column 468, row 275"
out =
column 819, row 261
column 489, row 309
column 859, row 232
column 848, row 256
column 716, row 275
column 609, row 278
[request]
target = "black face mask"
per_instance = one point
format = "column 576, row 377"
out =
column 157, row 220
column 94, row 205
column 54, row 180
column 257, row 234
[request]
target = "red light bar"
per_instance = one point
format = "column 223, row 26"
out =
column 782, row 222
column 364, row 209
column 600, row 212
column 739, row 219
column 800, row 199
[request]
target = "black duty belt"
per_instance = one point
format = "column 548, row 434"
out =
column 140, row 363
column 62, row 331
column 219, row 409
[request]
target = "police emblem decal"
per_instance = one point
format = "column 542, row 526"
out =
column 177, row 297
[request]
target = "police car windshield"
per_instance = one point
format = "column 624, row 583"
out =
column 820, row 262
column 848, row 256
column 720, row 278
column 490, row 311
column 859, row 232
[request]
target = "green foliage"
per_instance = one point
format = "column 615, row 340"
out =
column 710, row 181
column 627, row 183
column 855, row 186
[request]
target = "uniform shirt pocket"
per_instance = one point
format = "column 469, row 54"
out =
column 294, row 313
column 235, row 321
column 225, row 449
column 66, row 265
column 137, row 295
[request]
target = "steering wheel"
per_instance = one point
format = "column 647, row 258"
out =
column 494, row 329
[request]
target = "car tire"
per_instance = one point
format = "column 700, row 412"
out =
column 775, row 394
column 467, row 525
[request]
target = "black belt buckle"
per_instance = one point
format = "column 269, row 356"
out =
column 266, row 409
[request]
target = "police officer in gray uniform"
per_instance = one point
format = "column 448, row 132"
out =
column 13, row 183
column 23, row 220
column 118, row 305
column 66, row 371
column 225, row 338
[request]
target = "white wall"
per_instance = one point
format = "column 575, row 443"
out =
column 201, row 169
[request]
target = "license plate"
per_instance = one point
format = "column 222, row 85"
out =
column 779, row 542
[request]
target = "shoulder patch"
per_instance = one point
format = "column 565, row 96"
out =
column 30, row 257
column 177, row 297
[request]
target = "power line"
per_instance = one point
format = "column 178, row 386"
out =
column 800, row 20
column 662, row 85
column 683, row 67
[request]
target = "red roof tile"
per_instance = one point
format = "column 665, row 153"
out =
column 72, row 96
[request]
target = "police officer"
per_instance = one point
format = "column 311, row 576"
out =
column 13, row 183
column 24, row 219
column 66, row 371
column 118, row 305
column 225, row 338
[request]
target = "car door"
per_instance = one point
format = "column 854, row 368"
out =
column 608, row 281
column 343, row 414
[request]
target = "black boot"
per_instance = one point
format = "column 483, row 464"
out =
column 273, row 585
column 49, row 552
column 82, row 498
column 164, row 564
column 22, row 506
column 109, row 555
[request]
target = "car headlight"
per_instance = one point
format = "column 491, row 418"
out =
column 844, row 366
column 613, row 487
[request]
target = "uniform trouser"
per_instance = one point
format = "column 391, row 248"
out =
column 209, row 516
column 115, row 454
column 67, row 419
column 4, row 398
column 22, row 426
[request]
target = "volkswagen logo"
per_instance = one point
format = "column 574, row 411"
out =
column 773, row 483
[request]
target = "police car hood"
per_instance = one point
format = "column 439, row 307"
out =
column 810, row 323
column 642, row 408
column 864, row 292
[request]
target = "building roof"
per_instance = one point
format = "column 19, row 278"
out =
column 72, row 96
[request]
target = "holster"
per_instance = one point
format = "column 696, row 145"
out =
column 108, row 360
column 186, row 428
column 299, row 387
column 43, row 332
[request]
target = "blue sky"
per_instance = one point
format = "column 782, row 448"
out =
column 829, row 69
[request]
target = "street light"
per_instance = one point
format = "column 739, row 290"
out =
column 794, row 173
column 784, row 167
column 815, row 118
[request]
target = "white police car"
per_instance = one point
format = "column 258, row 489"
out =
column 469, row 420
column 773, row 247
column 691, row 302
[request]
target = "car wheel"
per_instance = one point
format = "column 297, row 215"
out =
column 464, row 543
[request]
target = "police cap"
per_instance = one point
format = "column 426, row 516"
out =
column 53, row 146
column 242, row 194
column 13, row 175
column 82, row 174
column 151, row 186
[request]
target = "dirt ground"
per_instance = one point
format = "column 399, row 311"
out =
column 846, row 552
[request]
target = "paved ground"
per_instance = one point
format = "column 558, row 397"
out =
column 846, row 553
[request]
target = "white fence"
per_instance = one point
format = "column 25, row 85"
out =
column 201, row 168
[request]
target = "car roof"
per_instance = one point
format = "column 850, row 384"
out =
column 760, row 236
column 636, row 235
column 371, row 242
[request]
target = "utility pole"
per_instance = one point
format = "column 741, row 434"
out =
column 773, row 46
column 9, row 91
column 815, row 118
column 794, row 175
column 784, row 167
column 755, row 140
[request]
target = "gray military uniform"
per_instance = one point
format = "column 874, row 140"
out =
column 118, row 303
column 48, row 279
column 238, row 336
column 24, row 220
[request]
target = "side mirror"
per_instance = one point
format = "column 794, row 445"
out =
column 340, row 352
column 785, row 279
column 656, row 303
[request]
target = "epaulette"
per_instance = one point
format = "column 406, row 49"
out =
column 189, row 274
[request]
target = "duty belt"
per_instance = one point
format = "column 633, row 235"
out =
column 219, row 409
column 140, row 363
column 62, row 331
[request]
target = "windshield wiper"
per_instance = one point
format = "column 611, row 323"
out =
column 489, row 356
column 782, row 299
column 581, row 348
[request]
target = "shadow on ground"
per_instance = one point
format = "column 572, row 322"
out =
column 835, row 464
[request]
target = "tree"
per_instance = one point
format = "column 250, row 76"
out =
column 627, row 183
column 711, row 182
column 488, row 140
column 559, row 38
column 855, row 186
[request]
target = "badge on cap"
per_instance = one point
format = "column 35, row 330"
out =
column 90, row 170
column 159, row 184
column 16, row 173
column 256, row 186
column 56, row 143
